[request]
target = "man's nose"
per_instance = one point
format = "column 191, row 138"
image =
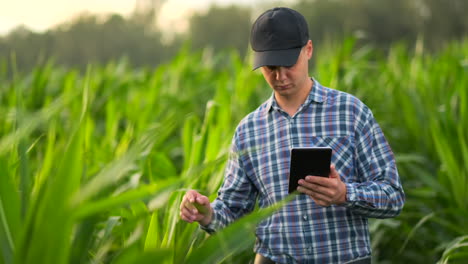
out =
column 281, row 73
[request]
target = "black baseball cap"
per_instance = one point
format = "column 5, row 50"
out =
column 277, row 37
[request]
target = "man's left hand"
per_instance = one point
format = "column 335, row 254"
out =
column 324, row 191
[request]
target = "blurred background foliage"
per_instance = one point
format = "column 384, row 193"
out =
column 105, row 122
column 92, row 38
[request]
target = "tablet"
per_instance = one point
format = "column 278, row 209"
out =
column 308, row 161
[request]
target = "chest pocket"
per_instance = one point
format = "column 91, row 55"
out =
column 343, row 153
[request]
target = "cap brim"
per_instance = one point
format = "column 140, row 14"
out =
column 276, row 58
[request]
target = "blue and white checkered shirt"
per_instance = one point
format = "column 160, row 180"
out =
column 258, row 168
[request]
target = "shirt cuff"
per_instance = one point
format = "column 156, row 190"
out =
column 213, row 226
column 209, row 228
column 351, row 195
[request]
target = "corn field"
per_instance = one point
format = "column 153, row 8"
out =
column 93, row 165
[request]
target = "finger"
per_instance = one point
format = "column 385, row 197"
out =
column 198, row 217
column 192, row 195
column 306, row 184
column 314, row 187
column 187, row 216
column 318, row 198
column 333, row 172
column 185, row 204
column 324, row 181
column 202, row 204
column 203, row 200
column 202, row 209
column 193, row 214
column 190, row 216
column 185, row 219
column 189, row 197
column 314, row 194
column 191, row 207
column 188, row 212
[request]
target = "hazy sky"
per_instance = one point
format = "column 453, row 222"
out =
column 40, row 15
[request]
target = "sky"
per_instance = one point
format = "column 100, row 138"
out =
column 40, row 15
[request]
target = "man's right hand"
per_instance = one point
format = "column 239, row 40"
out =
column 196, row 208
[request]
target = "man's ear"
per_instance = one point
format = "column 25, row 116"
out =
column 309, row 49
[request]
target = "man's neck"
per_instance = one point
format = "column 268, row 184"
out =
column 290, row 104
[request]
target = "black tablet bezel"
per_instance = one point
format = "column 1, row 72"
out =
column 308, row 161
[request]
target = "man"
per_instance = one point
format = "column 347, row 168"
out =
column 327, row 221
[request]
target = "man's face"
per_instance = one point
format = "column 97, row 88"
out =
column 289, row 81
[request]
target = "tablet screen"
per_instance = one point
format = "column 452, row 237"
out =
column 308, row 161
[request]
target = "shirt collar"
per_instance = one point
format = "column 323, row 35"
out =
column 317, row 95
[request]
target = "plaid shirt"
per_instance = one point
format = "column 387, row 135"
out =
column 258, row 168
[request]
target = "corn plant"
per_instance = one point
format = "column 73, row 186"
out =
column 93, row 165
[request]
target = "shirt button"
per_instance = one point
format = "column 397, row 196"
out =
column 304, row 217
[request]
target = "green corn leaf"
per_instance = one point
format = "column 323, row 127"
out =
column 153, row 235
column 233, row 238
column 10, row 216
column 143, row 192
